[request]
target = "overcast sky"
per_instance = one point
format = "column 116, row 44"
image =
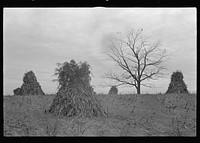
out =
column 36, row 39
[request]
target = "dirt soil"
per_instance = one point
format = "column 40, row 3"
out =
column 128, row 115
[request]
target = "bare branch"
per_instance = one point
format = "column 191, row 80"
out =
column 146, row 85
column 149, row 76
column 155, row 62
column 118, row 79
column 118, row 57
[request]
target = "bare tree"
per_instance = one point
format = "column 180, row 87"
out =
column 138, row 58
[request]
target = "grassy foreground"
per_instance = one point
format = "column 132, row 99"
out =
column 128, row 115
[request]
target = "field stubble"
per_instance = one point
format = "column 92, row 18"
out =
column 128, row 115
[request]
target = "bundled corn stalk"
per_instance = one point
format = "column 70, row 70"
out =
column 177, row 85
column 75, row 96
column 30, row 86
column 113, row 90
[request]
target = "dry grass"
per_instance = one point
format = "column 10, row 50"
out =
column 128, row 115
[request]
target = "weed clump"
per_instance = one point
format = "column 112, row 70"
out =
column 75, row 96
column 30, row 85
column 177, row 85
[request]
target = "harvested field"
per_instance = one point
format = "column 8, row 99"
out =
column 128, row 115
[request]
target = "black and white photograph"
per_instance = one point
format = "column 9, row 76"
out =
column 99, row 71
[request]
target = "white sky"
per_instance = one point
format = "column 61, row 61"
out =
column 36, row 39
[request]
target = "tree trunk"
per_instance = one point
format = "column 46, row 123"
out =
column 138, row 88
column 138, row 80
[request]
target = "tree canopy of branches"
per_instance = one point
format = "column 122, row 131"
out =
column 30, row 85
column 177, row 85
column 75, row 96
column 138, row 57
